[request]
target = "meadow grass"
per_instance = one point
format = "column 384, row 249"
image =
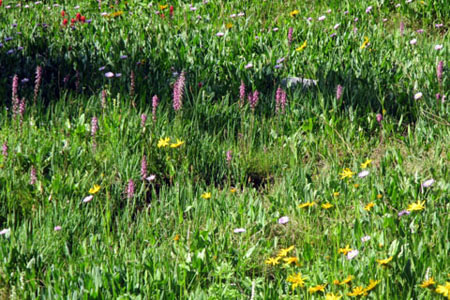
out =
column 342, row 191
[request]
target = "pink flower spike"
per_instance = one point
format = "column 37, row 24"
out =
column 88, row 199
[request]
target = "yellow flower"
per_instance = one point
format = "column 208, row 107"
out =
column 302, row 47
column 229, row 25
column 163, row 142
column 336, row 282
column 294, row 13
column 177, row 144
column 356, row 185
column 317, row 288
column 347, row 280
column 427, row 283
column 296, row 280
column 163, row 7
column 416, row 206
column 327, row 206
column 346, row 173
column 345, row 250
column 272, row 261
column 233, row 190
column 206, row 195
column 366, row 163
column 290, row 260
column 336, row 194
column 331, row 296
column 307, row 204
column 379, row 196
column 444, row 290
column 369, row 206
column 177, row 237
column 94, row 190
column 384, row 262
column 372, row 285
column 357, row 291
column 364, row 44
column 284, row 252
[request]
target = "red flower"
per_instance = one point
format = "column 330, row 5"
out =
column 171, row 11
column 72, row 21
column 63, row 13
column 78, row 16
column 0, row 2
column 162, row 16
column 65, row 22
column 83, row 19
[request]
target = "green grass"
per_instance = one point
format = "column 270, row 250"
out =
column 166, row 241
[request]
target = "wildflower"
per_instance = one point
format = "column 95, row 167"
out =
column 418, row 95
column 290, row 260
column 438, row 47
column 229, row 25
column 284, row 252
column 444, row 290
column 253, row 99
column 317, row 288
column 94, row 190
column 365, row 43
column 302, row 47
column 365, row 239
column 143, row 120
column 272, row 261
column 163, row 7
column 336, row 194
column 336, row 26
column 402, row 27
column 345, row 250
column 163, row 142
column 239, row 230
column 357, row 291
column 369, row 206
column 327, row 205
column 368, row 9
column 248, row 66
column 15, row 98
column 109, row 74
column 372, row 285
column 88, row 199
column 176, row 237
column 413, row 42
column 331, row 296
column 379, row 118
column 379, row 196
column 57, row 228
column 346, row 280
column 352, row 254
column 439, row 70
column 233, row 190
column 346, row 173
column 296, row 280
column 219, row 34
column 366, row 163
column 384, row 262
column 37, row 82
column 228, row 157
column 428, row 183
column 404, row 212
column 103, row 99
column 151, row 178
column 427, row 283
column 177, row 144
column 294, row 13
column 290, row 32
column 336, row 282
column 339, row 91
column 5, row 149
column 206, row 195
column 144, row 167
column 5, row 231
column 33, row 177
column 283, row 220
column 178, row 89
column 155, row 102
column 280, row 99
column 321, row 18
column 416, row 206
column 363, row 174
column 242, row 94
column 130, row 189
column 132, row 83
column 307, row 204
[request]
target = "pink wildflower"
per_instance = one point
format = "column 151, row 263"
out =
column 33, row 176
column 339, row 91
column 290, row 32
column 178, row 89
column 144, row 167
column 37, row 82
column 143, row 120
column 439, row 70
column 130, row 189
column 242, row 94
column 155, row 102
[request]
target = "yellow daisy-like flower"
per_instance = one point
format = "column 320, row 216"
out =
column 346, row 280
column 345, row 250
column 302, row 47
column 229, row 25
column 307, row 204
column 372, row 285
column 331, row 296
column 177, row 144
column 364, row 44
column 416, row 206
column 163, row 7
column 206, row 195
column 233, row 190
column 272, row 261
column 317, row 288
column 327, row 205
column 290, row 260
column 336, row 194
column 163, row 142
column 346, row 173
column 296, row 280
column 94, row 190
column 336, row 282
column 384, row 262
column 444, row 290
column 294, row 13
column 177, row 237
column 369, row 206
column 356, row 185
column 357, row 291
column 379, row 196
column 284, row 252
column 366, row 163
column 427, row 283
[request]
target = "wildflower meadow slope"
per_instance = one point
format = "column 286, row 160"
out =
column 224, row 150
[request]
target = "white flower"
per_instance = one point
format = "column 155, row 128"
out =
column 413, row 41
column 438, row 47
column 220, row 34
column 151, row 177
column 418, row 95
column 352, row 254
column 5, row 231
column 88, row 199
column 336, row 26
column 321, row 18
column 239, row 230
column 365, row 238
column 283, row 220
column 109, row 74
column 363, row 174
column 428, row 183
